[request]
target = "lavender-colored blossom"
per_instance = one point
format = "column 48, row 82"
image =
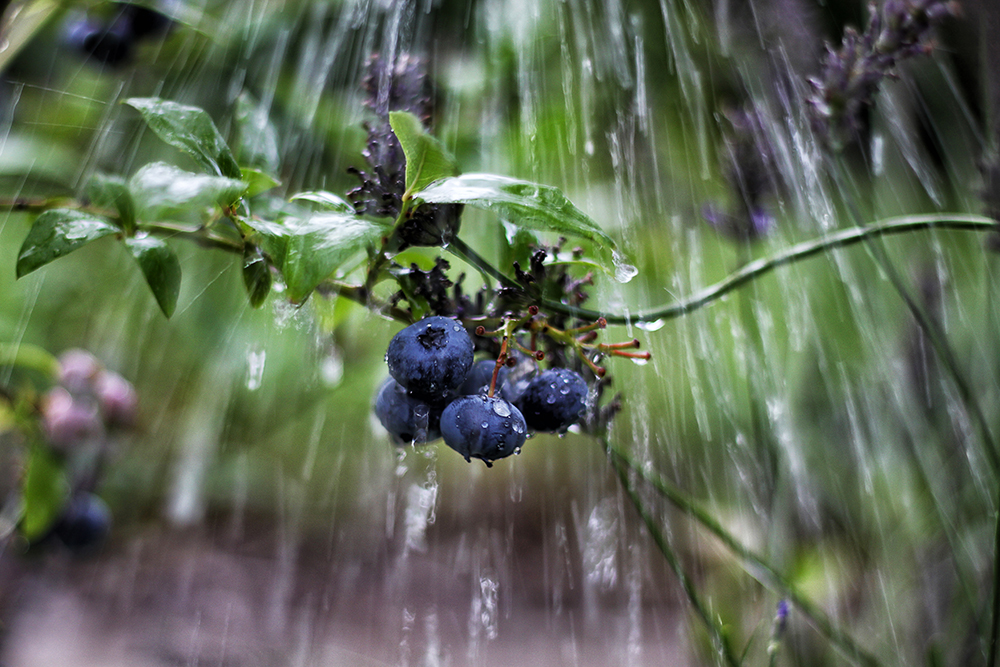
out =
column 78, row 371
column 851, row 75
column 68, row 421
column 117, row 399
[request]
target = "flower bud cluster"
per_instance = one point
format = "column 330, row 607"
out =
column 88, row 401
column 851, row 75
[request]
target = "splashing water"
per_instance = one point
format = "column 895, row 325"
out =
column 826, row 416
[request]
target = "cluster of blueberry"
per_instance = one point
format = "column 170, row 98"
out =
column 111, row 40
column 436, row 390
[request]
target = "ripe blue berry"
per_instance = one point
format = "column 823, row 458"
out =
column 430, row 358
column 406, row 418
column 483, row 427
column 85, row 523
column 479, row 378
column 110, row 45
column 554, row 400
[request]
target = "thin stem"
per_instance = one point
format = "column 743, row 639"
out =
column 673, row 560
column 360, row 295
column 460, row 249
column 754, row 565
column 32, row 357
column 800, row 251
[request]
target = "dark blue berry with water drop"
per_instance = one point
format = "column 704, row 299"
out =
column 554, row 400
column 409, row 420
column 483, row 427
column 431, row 358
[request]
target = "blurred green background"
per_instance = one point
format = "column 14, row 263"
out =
column 806, row 411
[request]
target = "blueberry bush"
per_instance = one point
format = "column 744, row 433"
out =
column 229, row 183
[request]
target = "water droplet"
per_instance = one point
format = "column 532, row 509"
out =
column 655, row 325
column 624, row 271
column 564, row 389
column 485, row 424
column 639, row 362
column 420, row 411
column 517, row 450
column 518, row 428
column 331, row 369
column 255, row 368
column 501, row 408
column 550, row 399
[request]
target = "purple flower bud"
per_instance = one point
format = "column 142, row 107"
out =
column 117, row 399
column 78, row 371
column 67, row 421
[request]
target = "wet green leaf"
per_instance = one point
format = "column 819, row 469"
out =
column 57, row 233
column 44, row 492
column 256, row 276
column 162, row 189
column 161, row 268
column 112, row 192
column 519, row 203
column 427, row 160
column 308, row 249
column 327, row 200
column 258, row 139
column 189, row 129
column 258, row 181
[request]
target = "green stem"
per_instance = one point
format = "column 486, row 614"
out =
column 460, row 249
column 753, row 564
column 30, row 357
column 360, row 295
column 800, row 251
column 673, row 560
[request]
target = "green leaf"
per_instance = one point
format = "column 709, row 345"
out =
column 519, row 203
column 189, row 129
column 45, row 492
column 327, row 200
column 21, row 23
column 162, row 189
column 258, row 181
column 113, row 192
column 310, row 248
column 161, row 268
column 427, row 160
column 57, row 233
column 258, row 140
column 256, row 276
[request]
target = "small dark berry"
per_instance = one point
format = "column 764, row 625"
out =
column 431, row 358
column 85, row 523
column 479, row 378
column 483, row 427
column 554, row 400
column 408, row 420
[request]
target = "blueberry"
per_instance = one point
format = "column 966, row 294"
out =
column 483, row 427
column 110, row 45
column 554, row 400
column 147, row 22
column 85, row 523
column 479, row 378
column 407, row 419
column 430, row 358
